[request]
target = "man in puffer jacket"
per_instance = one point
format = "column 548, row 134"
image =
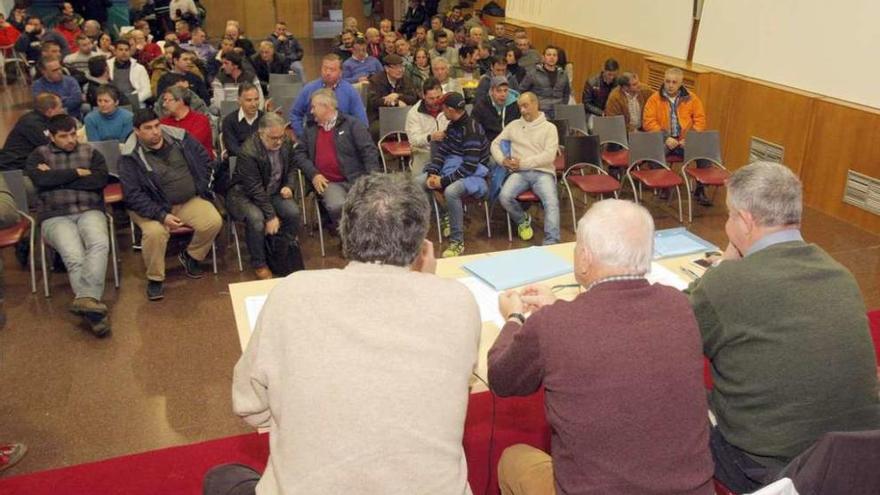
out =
column 548, row 81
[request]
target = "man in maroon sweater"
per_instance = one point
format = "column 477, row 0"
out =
column 621, row 366
column 176, row 103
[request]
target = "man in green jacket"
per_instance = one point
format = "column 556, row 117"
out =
column 785, row 329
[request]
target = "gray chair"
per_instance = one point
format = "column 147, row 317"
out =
column 284, row 79
column 582, row 155
column 705, row 146
column 612, row 130
column 289, row 90
column 392, row 134
column 648, row 147
column 574, row 114
column 283, row 104
column 227, row 107
column 13, row 235
column 232, row 224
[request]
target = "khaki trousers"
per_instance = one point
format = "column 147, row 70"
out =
column 196, row 213
column 525, row 470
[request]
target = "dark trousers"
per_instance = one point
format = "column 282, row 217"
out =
column 230, row 479
column 735, row 468
column 244, row 210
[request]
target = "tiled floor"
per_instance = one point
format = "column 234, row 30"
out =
column 164, row 376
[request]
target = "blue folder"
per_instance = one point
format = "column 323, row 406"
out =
column 518, row 267
column 677, row 242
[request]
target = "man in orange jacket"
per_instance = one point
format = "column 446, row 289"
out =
column 674, row 111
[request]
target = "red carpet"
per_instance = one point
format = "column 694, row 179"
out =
column 179, row 470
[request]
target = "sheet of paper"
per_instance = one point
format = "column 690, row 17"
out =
column 487, row 299
column 253, row 305
column 659, row 274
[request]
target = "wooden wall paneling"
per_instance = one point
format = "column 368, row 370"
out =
column 298, row 16
column 355, row 8
column 843, row 137
column 219, row 12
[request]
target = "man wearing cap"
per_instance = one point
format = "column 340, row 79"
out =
column 388, row 89
column 496, row 109
column 457, row 169
column 360, row 66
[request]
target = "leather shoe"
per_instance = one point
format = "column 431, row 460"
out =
column 263, row 273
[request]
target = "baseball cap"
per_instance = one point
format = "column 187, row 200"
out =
column 454, row 100
column 499, row 80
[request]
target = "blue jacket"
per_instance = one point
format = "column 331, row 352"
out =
column 141, row 184
column 100, row 127
column 349, row 100
column 353, row 69
column 67, row 89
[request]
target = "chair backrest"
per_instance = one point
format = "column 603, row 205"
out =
column 233, row 161
column 283, row 105
column 292, row 89
column 610, row 129
column 705, row 145
column 582, row 149
column 227, row 107
column 15, row 182
column 392, row 119
column 561, row 129
column 283, row 79
column 839, row 462
column 647, row 147
column 574, row 114
column 134, row 102
column 230, row 92
column 111, row 153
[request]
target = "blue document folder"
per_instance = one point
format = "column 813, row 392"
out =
column 519, row 267
column 677, row 242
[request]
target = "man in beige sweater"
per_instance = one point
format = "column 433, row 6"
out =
column 361, row 374
column 527, row 148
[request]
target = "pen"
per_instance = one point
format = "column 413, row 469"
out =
column 693, row 275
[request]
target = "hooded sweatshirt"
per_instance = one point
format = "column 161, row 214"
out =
column 535, row 143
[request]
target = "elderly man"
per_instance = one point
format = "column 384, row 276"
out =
column 359, row 345
column 374, row 42
column 624, row 393
column 180, row 114
column 70, row 179
column 165, row 174
column 628, row 99
column 785, row 329
column 497, row 109
column 548, row 81
column 128, row 76
column 54, row 81
column 145, row 51
column 261, row 189
column 527, row 148
column 441, row 70
column 348, row 100
column 457, row 169
column 339, row 150
column 360, row 66
column 598, row 87
column 426, row 123
column 388, row 89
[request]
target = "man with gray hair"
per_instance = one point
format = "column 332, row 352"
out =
column 784, row 326
column 356, row 345
column 261, row 189
column 623, row 389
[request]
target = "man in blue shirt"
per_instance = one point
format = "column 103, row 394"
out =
column 54, row 81
column 360, row 66
column 348, row 99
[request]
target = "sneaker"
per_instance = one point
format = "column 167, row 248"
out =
column 524, row 229
column 10, row 454
column 445, row 226
column 190, row 265
column 456, row 248
column 99, row 325
column 85, row 306
column 155, row 290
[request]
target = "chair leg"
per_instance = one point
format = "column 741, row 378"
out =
column 302, row 198
column 237, row 245
column 687, row 185
column 320, row 225
column 113, row 250
column 437, row 215
column 43, row 266
column 32, row 261
column 509, row 229
column 214, row 256
column 131, row 227
column 488, row 222
column 571, row 202
column 633, row 185
column 678, row 193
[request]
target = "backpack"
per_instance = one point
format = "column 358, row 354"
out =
column 283, row 255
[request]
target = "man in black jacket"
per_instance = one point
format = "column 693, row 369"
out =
column 267, row 61
column 388, row 89
column 497, row 109
column 261, row 191
column 165, row 174
column 338, row 149
column 29, row 132
column 598, row 87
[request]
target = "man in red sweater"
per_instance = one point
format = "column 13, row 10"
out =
column 176, row 102
column 621, row 366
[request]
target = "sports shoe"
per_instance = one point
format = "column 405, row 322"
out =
column 85, row 306
column 99, row 325
column 155, row 290
column 190, row 265
column 10, row 454
column 524, row 229
column 456, row 248
column 445, row 227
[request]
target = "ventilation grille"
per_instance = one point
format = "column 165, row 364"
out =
column 765, row 151
column 656, row 73
column 862, row 191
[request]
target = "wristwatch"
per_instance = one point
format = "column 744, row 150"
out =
column 518, row 317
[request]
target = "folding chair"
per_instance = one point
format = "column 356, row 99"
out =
column 284, row 79
column 282, row 105
column 110, row 150
column 649, row 147
column 13, row 235
column 232, row 224
column 704, row 145
column 16, row 58
column 289, row 90
column 227, row 107
column 392, row 125
column 562, row 130
column 612, row 130
column 574, row 114
column 582, row 154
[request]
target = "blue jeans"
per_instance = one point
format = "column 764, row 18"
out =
column 244, row 210
column 83, row 243
column 453, row 194
column 544, row 186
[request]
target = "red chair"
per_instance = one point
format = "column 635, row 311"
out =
column 648, row 147
column 582, row 156
column 392, row 132
column 705, row 146
column 612, row 130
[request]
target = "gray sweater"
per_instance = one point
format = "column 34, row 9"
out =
column 361, row 375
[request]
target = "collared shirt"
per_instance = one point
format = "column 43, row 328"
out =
column 330, row 123
column 635, row 110
column 613, row 278
column 787, row 235
column 242, row 116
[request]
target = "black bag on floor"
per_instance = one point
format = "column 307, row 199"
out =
column 283, row 255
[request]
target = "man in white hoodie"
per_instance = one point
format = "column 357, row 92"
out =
column 129, row 77
column 527, row 147
column 425, row 122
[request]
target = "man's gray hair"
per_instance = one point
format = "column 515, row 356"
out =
column 325, row 96
column 769, row 191
column 674, row 71
column 619, row 234
column 178, row 93
column 271, row 120
column 384, row 220
column 439, row 61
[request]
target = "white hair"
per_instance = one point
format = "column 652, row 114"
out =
column 619, row 234
column 769, row 191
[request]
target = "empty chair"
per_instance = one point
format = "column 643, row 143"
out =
column 232, row 225
column 284, row 79
column 282, row 105
column 561, row 134
column 648, row 147
column 574, row 114
column 227, row 107
column 612, row 131
column 110, row 150
column 292, row 89
column 26, row 225
column 585, row 172
column 706, row 146
column 392, row 134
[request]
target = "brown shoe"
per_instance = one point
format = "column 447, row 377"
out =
column 263, row 273
column 88, row 306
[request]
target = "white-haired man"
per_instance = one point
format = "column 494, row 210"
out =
column 784, row 326
column 624, row 393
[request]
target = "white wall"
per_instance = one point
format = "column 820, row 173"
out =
column 660, row 26
column 829, row 48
